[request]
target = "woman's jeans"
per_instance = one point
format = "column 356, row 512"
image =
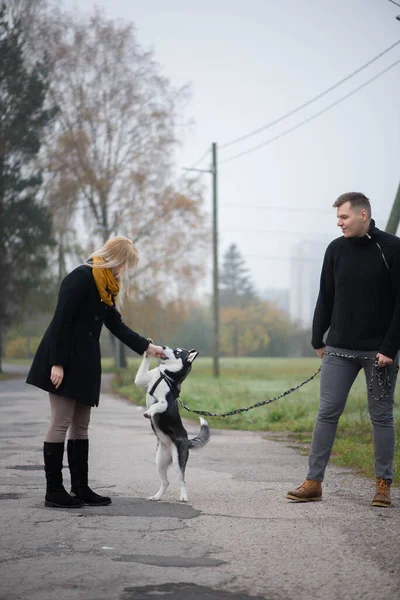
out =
column 337, row 377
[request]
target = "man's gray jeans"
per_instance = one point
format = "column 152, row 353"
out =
column 337, row 377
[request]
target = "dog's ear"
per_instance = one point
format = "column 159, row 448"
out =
column 192, row 355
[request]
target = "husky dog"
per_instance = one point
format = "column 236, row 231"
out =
column 163, row 385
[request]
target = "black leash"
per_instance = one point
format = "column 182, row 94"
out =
column 380, row 373
column 240, row 410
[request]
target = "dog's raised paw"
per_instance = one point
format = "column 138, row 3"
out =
column 154, row 498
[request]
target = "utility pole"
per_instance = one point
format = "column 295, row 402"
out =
column 394, row 218
column 215, row 264
column 393, row 222
column 215, row 290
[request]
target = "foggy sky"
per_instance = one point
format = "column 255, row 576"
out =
column 250, row 61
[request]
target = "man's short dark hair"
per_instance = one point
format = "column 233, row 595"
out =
column 356, row 199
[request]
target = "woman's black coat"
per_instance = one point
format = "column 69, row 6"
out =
column 72, row 339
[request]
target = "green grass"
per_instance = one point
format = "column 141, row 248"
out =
column 246, row 381
column 26, row 362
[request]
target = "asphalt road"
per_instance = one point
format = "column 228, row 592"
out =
column 237, row 538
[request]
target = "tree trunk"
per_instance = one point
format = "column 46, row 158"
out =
column 2, row 255
column 1, row 348
column 235, row 339
column 122, row 356
column 62, row 270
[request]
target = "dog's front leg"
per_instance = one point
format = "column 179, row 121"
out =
column 158, row 406
column 150, row 400
column 158, row 402
column 143, row 376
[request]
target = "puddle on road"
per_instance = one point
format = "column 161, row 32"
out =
column 140, row 507
column 183, row 591
column 136, row 507
column 11, row 496
column 26, row 467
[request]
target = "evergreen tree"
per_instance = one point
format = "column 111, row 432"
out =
column 237, row 289
column 25, row 225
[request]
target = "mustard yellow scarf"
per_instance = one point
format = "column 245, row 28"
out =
column 107, row 284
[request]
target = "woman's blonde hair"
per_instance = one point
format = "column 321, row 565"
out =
column 118, row 253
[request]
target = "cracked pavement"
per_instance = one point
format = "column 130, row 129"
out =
column 237, row 538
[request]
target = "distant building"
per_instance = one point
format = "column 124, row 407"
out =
column 305, row 271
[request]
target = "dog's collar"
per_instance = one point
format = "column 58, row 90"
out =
column 159, row 380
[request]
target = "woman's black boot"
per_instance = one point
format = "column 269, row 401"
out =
column 78, row 454
column 56, row 495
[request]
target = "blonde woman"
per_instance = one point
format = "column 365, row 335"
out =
column 67, row 364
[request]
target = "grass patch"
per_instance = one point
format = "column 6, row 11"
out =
column 6, row 376
column 25, row 362
column 246, row 381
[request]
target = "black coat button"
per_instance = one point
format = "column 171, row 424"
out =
column 90, row 333
column 96, row 318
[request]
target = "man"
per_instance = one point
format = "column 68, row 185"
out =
column 359, row 302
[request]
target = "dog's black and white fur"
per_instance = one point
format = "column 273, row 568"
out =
column 163, row 385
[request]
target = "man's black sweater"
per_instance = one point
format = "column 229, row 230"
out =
column 359, row 298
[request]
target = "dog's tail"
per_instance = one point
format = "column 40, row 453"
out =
column 201, row 440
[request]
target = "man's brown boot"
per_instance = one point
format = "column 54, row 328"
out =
column 382, row 496
column 309, row 491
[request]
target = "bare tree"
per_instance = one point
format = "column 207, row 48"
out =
column 116, row 137
column 111, row 157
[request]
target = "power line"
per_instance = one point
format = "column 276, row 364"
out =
column 393, row 2
column 314, row 99
column 312, row 117
column 202, row 157
column 196, row 179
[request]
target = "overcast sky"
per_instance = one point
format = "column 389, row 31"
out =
column 249, row 62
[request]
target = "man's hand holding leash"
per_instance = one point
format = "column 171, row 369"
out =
column 383, row 361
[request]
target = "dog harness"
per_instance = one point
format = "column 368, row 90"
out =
column 159, row 380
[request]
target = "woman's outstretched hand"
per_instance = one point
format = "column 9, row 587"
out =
column 57, row 375
column 156, row 351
